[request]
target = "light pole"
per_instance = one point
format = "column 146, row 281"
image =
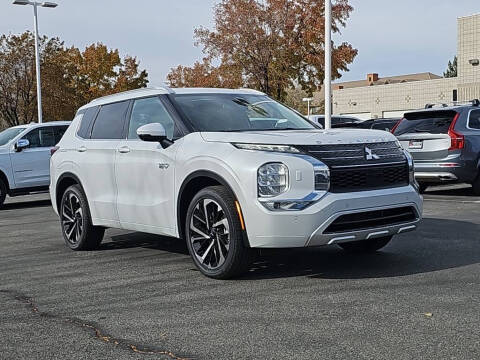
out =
column 328, row 64
column 307, row 100
column 37, row 50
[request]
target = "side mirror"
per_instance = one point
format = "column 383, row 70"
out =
column 21, row 145
column 154, row 132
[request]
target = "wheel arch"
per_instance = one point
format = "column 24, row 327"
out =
column 4, row 178
column 192, row 184
column 63, row 183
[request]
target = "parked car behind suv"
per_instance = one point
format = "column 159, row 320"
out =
column 25, row 157
column 378, row 124
column 338, row 121
column 445, row 144
column 228, row 171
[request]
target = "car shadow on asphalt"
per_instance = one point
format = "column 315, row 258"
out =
column 438, row 244
column 143, row 240
column 449, row 190
column 25, row 204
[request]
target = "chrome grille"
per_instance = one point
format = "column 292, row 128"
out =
column 346, row 154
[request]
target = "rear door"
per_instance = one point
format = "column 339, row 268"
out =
column 425, row 134
column 96, row 160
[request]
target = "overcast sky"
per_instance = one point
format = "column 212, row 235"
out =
column 393, row 37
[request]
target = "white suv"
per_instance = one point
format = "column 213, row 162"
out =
column 228, row 171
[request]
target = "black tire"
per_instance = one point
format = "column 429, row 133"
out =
column 366, row 246
column 223, row 250
column 3, row 192
column 422, row 188
column 77, row 229
column 476, row 186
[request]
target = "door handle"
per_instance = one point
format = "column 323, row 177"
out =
column 82, row 149
column 124, row 150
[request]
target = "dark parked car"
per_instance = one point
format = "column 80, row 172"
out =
column 444, row 143
column 338, row 121
column 379, row 124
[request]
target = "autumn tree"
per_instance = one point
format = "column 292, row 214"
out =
column 70, row 77
column 273, row 44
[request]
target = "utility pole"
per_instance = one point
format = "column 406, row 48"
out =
column 37, row 50
column 328, row 64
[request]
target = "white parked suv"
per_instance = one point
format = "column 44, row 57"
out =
column 25, row 157
column 228, row 171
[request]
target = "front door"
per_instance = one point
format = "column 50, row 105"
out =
column 31, row 166
column 145, row 173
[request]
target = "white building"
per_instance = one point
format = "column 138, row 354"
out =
column 377, row 97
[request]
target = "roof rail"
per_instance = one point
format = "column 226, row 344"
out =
column 474, row 102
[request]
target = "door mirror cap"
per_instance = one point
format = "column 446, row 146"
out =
column 154, row 132
column 22, row 144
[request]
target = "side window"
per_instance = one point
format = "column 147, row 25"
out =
column 474, row 120
column 110, row 121
column 41, row 137
column 86, row 122
column 147, row 111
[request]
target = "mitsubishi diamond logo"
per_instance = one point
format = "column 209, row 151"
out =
column 369, row 155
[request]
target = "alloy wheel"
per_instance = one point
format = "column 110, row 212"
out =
column 72, row 218
column 209, row 234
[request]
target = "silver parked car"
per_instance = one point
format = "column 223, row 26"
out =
column 25, row 157
column 444, row 143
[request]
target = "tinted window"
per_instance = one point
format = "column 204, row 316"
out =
column 474, row 121
column 41, row 137
column 86, row 122
column 384, row 125
column 58, row 132
column 433, row 122
column 147, row 111
column 238, row 112
column 110, row 121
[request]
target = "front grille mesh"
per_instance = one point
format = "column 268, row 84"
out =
column 368, row 178
column 352, row 169
column 372, row 219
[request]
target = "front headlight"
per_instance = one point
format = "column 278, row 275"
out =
column 322, row 179
column 272, row 179
column 266, row 147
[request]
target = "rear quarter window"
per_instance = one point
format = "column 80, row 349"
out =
column 110, row 121
column 474, row 120
column 432, row 122
column 86, row 122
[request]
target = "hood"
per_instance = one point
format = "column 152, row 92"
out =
column 301, row 137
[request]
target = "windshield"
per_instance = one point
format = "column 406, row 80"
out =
column 234, row 112
column 7, row 135
column 433, row 122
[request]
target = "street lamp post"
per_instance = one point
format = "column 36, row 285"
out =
column 328, row 64
column 308, row 100
column 37, row 50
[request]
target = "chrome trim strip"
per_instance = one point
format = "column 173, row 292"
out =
column 341, row 238
column 377, row 234
column 406, row 228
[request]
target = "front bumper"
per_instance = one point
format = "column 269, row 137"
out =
column 267, row 229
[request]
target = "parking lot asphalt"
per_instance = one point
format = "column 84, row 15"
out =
column 140, row 297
